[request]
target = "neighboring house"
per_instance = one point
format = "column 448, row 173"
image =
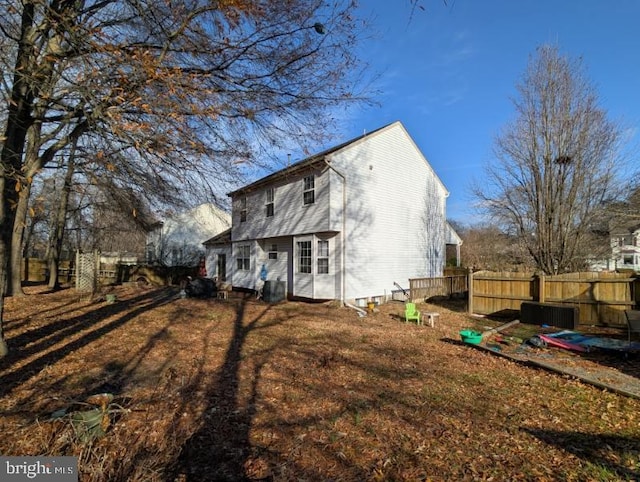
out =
column 625, row 251
column 453, row 242
column 177, row 241
column 345, row 224
column 114, row 258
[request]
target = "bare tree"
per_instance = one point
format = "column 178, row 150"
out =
column 58, row 221
column 487, row 247
column 555, row 163
column 184, row 89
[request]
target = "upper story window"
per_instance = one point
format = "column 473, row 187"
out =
column 627, row 240
column 308, row 191
column 269, row 201
column 243, row 209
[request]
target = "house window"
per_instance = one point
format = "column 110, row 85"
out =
column 304, row 256
column 151, row 253
column 323, row 257
column 269, row 203
column 308, row 192
column 243, row 256
column 628, row 259
column 243, row 209
column 273, row 251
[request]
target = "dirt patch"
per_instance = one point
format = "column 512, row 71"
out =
column 614, row 370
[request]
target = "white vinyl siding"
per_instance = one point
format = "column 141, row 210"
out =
column 275, row 254
column 291, row 217
column 395, row 214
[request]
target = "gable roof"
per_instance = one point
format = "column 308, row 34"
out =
column 305, row 164
column 220, row 239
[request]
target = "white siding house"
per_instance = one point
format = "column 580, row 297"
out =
column 178, row 239
column 344, row 224
column 625, row 251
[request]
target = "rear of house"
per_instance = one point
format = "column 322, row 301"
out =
column 345, row 224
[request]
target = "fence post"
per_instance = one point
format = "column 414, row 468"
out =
column 470, row 296
column 541, row 294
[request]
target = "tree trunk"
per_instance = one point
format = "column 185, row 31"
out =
column 7, row 218
column 57, row 230
column 17, row 238
column 5, row 243
column 17, row 124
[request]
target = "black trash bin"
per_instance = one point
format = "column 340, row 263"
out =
column 273, row 291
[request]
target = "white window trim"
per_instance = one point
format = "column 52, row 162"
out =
column 322, row 256
column 299, row 257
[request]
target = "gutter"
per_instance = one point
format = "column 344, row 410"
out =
column 343, row 238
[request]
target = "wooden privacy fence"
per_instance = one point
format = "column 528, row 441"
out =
column 423, row 288
column 601, row 297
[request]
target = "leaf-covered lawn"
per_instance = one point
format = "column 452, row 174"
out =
column 242, row 390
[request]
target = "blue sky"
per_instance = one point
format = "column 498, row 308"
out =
column 448, row 72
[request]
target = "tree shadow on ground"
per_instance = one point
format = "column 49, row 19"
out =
column 221, row 448
column 35, row 343
column 609, row 452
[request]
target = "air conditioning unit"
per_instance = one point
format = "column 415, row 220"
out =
column 548, row 314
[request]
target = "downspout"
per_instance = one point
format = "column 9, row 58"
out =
column 343, row 238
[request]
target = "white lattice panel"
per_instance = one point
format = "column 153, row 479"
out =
column 86, row 272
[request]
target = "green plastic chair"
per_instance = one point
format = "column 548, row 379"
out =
column 411, row 313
